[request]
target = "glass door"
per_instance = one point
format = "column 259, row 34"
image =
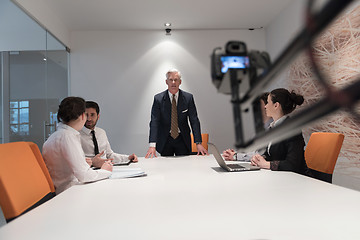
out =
column 1, row 103
column 33, row 77
column 27, row 96
column 38, row 82
column 57, row 62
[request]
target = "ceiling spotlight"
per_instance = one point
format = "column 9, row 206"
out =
column 168, row 31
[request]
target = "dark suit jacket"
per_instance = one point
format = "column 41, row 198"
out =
column 160, row 123
column 289, row 153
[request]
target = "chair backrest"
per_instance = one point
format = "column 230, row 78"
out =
column 205, row 140
column 42, row 164
column 23, row 184
column 322, row 151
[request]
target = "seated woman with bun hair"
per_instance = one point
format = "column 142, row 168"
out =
column 287, row 155
column 63, row 154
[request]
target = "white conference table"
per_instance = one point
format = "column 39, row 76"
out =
column 192, row 198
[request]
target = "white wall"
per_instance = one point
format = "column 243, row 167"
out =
column 40, row 11
column 123, row 70
column 281, row 32
column 284, row 28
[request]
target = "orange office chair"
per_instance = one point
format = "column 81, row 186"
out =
column 41, row 162
column 321, row 154
column 205, row 140
column 23, row 182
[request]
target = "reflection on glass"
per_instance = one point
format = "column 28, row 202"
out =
column 53, row 117
column 24, row 129
column 14, row 128
column 53, row 122
column 24, row 104
column 14, row 116
column 19, row 117
column 14, row 105
column 24, row 115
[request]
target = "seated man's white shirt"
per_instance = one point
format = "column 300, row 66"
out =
column 103, row 143
column 65, row 159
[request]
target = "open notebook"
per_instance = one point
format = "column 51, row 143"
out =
column 126, row 172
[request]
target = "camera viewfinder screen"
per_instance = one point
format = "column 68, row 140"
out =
column 240, row 62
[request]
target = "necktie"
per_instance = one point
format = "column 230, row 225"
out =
column 174, row 121
column 96, row 146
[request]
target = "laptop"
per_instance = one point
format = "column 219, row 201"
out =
column 238, row 167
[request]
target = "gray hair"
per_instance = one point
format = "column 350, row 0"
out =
column 173, row 70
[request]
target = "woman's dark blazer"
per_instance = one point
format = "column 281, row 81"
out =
column 288, row 155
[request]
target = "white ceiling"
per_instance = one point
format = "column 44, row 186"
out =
column 152, row 14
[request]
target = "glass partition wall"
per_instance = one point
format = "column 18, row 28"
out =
column 1, row 109
column 34, row 79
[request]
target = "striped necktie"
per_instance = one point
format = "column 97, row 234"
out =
column 174, row 119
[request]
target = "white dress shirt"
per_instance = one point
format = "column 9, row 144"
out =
column 176, row 96
column 103, row 143
column 65, row 159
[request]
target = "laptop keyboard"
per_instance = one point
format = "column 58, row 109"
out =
column 235, row 166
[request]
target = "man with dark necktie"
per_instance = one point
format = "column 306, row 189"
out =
column 169, row 129
column 94, row 140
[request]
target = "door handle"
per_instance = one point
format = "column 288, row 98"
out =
column 46, row 126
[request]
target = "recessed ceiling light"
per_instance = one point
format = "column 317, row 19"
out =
column 167, row 24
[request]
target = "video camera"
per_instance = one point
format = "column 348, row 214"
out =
column 235, row 56
column 234, row 71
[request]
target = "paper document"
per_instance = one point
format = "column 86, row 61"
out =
column 126, row 172
column 245, row 157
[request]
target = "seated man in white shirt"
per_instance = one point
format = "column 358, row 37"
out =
column 94, row 140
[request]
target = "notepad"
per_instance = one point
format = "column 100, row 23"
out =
column 125, row 172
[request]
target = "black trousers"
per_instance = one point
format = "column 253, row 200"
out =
column 175, row 147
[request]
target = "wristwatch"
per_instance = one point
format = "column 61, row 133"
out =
column 235, row 156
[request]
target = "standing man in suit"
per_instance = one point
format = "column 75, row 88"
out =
column 170, row 113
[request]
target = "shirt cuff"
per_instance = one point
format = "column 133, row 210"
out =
column 153, row 144
column 103, row 173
